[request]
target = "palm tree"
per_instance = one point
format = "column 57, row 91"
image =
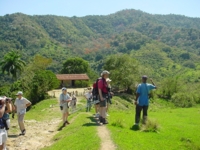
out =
column 12, row 64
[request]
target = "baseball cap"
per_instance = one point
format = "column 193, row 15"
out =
column 64, row 88
column 19, row 93
column 105, row 72
column 144, row 77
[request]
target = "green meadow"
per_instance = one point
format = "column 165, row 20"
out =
column 177, row 128
column 170, row 128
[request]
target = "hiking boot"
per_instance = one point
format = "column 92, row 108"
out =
column 104, row 121
column 100, row 119
column 67, row 122
column 23, row 132
column 64, row 124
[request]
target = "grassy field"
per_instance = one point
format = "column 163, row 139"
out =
column 47, row 109
column 178, row 127
column 80, row 135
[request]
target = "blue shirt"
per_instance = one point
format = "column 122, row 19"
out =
column 143, row 90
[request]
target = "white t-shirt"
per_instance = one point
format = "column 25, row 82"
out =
column 88, row 95
column 21, row 105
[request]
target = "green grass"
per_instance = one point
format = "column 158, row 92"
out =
column 80, row 135
column 169, row 128
column 178, row 127
column 44, row 110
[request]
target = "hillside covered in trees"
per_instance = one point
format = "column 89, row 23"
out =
column 165, row 47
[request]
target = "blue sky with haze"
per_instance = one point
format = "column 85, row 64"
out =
column 80, row 8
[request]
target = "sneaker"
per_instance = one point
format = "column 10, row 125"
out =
column 136, row 124
column 67, row 122
column 107, row 114
column 97, row 116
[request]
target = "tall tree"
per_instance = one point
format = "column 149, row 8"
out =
column 12, row 64
column 123, row 69
column 75, row 65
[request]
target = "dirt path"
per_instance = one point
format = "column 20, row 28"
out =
column 106, row 142
column 38, row 135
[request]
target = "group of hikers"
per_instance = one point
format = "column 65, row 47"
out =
column 7, row 107
column 100, row 95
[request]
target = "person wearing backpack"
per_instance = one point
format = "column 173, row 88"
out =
column 103, row 95
column 64, row 106
column 9, row 108
column 142, row 99
column 21, row 104
column 3, row 133
column 95, row 96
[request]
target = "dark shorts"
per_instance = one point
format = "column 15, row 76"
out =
column 103, row 103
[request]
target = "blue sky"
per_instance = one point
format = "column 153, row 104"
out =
column 80, row 8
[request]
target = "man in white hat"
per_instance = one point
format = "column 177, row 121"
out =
column 3, row 133
column 64, row 100
column 21, row 104
column 103, row 94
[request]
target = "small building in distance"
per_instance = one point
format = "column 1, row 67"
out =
column 69, row 80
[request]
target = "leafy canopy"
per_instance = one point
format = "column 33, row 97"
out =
column 12, row 64
column 75, row 65
column 123, row 69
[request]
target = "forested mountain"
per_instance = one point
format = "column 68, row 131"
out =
column 165, row 44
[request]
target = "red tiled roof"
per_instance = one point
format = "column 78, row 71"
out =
column 72, row 77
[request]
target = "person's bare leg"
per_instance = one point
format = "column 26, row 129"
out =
column 103, row 112
column 1, row 147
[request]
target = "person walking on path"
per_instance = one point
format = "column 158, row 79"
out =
column 64, row 106
column 103, row 94
column 73, row 103
column 88, row 97
column 142, row 99
column 3, row 133
column 21, row 104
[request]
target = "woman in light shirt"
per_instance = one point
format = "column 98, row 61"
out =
column 21, row 104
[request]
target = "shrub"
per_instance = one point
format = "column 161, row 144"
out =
column 183, row 99
column 118, row 123
column 150, row 126
column 80, row 83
